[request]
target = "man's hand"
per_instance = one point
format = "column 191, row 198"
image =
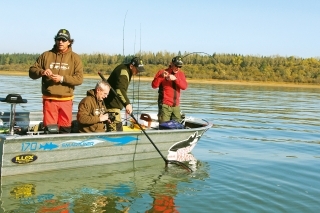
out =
column 46, row 72
column 104, row 117
column 171, row 78
column 56, row 78
column 129, row 109
column 165, row 74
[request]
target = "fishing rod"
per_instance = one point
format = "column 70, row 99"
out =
column 154, row 145
column 196, row 53
column 164, row 59
column 124, row 23
column 188, row 61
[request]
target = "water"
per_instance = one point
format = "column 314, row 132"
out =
column 262, row 155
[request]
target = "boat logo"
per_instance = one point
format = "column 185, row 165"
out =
column 23, row 159
column 48, row 146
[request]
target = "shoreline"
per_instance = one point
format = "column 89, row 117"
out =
column 199, row 81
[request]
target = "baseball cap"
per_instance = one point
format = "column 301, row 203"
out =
column 177, row 61
column 137, row 62
column 63, row 33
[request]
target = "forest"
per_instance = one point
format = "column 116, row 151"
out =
column 198, row 65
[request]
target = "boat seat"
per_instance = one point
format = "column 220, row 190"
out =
column 14, row 99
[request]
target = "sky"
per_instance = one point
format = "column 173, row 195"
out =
column 246, row 27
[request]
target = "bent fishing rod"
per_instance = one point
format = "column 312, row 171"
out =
column 195, row 53
column 154, row 145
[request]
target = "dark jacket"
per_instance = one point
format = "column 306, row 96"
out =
column 67, row 64
column 89, row 110
column 119, row 80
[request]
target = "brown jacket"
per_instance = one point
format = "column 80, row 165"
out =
column 89, row 110
column 67, row 64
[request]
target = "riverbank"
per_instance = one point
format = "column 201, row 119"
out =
column 198, row 81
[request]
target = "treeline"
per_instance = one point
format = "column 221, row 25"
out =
column 196, row 65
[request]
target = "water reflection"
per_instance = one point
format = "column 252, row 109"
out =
column 113, row 188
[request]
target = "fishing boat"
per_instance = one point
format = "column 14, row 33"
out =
column 25, row 148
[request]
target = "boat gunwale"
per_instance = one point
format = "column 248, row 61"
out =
column 207, row 125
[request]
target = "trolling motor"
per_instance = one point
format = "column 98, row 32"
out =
column 13, row 99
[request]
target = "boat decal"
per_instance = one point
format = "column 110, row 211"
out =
column 77, row 143
column 48, row 146
column 120, row 141
column 182, row 148
column 23, row 159
column 94, row 141
column 190, row 142
column 33, row 146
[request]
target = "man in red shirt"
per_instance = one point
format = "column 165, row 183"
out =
column 170, row 82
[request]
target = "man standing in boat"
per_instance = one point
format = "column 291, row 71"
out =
column 61, row 70
column 119, row 80
column 170, row 82
column 92, row 113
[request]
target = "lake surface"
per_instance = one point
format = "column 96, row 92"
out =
column 261, row 155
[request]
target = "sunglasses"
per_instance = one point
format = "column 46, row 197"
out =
column 61, row 39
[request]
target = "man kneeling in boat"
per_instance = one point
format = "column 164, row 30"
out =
column 92, row 113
